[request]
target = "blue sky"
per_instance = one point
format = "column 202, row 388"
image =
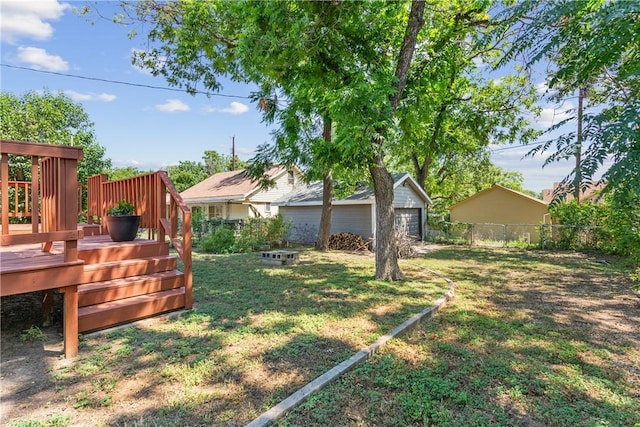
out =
column 152, row 128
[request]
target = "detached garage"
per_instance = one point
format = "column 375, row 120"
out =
column 355, row 213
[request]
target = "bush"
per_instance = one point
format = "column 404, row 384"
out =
column 220, row 240
column 248, row 235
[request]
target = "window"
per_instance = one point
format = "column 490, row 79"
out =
column 291, row 178
column 267, row 209
column 215, row 211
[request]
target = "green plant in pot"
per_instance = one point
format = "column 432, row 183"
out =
column 122, row 223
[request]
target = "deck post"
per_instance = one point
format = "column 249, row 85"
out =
column 35, row 194
column 4, row 171
column 161, row 208
column 70, row 328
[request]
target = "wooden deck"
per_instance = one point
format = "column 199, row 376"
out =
column 111, row 282
column 104, row 283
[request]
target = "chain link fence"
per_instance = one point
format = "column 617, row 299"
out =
column 545, row 236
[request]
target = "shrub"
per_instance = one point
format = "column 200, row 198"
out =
column 219, row 241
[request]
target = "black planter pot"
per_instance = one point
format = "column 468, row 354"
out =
column 123, row 228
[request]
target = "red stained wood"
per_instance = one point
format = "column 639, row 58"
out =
column 112, row 313
column 117, row 289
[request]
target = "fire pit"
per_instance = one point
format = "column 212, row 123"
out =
column 280, row 257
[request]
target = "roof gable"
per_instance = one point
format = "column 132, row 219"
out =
column 311, row 194
column 500, row 188
column 228, row 185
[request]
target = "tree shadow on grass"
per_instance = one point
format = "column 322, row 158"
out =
column 216, row 364
column 469, row 368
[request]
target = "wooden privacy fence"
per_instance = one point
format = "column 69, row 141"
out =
column 53, row 191
column 150, row 194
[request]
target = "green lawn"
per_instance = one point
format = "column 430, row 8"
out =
column 531, row 339
column 257, row 334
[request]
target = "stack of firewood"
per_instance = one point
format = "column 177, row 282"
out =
column 348, row 242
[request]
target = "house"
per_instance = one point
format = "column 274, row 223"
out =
column 234, row 195
column 501, row 205
column 355, row 213
column 592, row 192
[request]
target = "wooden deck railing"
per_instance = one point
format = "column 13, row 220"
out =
column 19, row 205
column 149, row 193
column 52, row 191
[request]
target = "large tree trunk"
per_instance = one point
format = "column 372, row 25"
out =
column 325, row 219
column 387, row 267
column 327, row 195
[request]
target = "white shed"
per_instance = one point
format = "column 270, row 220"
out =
column 355, row 213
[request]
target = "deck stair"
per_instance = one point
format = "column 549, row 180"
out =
column 127, row 282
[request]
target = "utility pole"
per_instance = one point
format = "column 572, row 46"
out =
column 233, row 152
column 582, row 93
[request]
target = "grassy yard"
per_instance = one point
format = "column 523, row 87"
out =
column 531, row 339
column 257, row 334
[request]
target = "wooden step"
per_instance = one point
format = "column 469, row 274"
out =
column 119, row 251
column 112, row 290
column 112, row 313
column 133, row 267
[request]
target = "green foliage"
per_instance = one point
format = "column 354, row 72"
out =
column 462, row 108
column 615, row 222
column 53, row 119
column 220, row 240
column 215, row 162
column 593, row 45
column 33, row 334
column 277, row 228
column 187, row 174
column 124, row 172
column 248, row 235
column 123, row 208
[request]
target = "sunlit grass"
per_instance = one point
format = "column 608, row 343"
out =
column 502, row 353
column 257, row 333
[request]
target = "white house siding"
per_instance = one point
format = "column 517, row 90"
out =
column 410, row 210
column 352, row 219
column 238, row 211
column 281, row 188
column 405, row 197
column 305, row 221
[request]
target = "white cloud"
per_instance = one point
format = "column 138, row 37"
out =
column 235, row 108
column 28, row 19
column 550, row 116
column 542, row 88
column 40, row 59
column 90, row 96
column 172, row 105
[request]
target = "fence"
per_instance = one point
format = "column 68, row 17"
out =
column 545, row 236
column 267, row 229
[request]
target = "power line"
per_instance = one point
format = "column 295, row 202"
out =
column 515, row 147
column 98, row 79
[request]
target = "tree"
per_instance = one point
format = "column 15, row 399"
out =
column 187, row 174
column 215, row 162
column 53, row 119
column 361, row 52
column 124, row 172
column 594, row 44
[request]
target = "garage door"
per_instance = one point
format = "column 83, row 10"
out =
column 409, row 219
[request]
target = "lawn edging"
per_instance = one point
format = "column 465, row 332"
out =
column 281, row 409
